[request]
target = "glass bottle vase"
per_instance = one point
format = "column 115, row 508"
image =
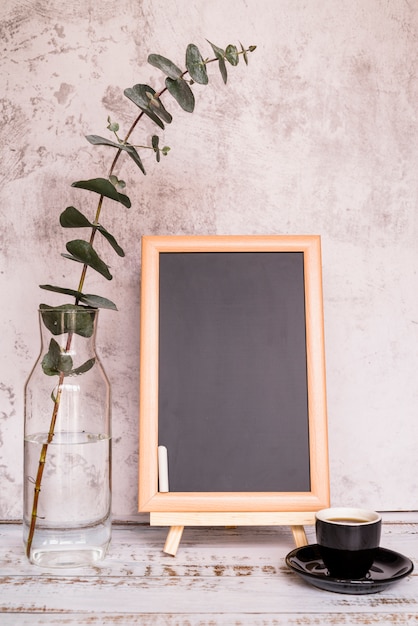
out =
column 67, row 444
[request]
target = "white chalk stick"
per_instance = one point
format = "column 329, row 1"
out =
column 162, row 469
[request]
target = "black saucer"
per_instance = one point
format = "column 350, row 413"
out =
column 388, row 568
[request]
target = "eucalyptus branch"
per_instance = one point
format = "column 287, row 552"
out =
column 150, row 105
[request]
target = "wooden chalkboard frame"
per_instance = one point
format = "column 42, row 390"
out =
column 226, row 508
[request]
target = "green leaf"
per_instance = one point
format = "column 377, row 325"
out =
column 222, row 69
column 98, row 302
column 165, row 65
column 153, row 117
column 110, row 238
column 244, row 54
column 54, row 362
column 83, row 252
column 138, row 95
column 181, row 92
column 73, row 218
column 116, row 182
column 104, row 187
column 86, row 298
column 195, row 64
column 220, row 55
column 157, row 106
column 63, row 290
column 68, row 318
column 82, row 369
column 126, row 147
column 112, row 126
column 145, row 97
column 71, row 258
column 155, row 140
column 231, row 55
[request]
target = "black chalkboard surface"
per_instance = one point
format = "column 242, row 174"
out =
column 232, row 380
column 233, row 408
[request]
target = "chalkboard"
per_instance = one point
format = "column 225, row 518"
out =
column 232, row 361
column 233, row 374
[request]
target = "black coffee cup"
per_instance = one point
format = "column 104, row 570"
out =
column 348, row 539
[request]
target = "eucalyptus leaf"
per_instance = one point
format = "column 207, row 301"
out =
column 231, row 55
column 223, row 70
column 96, row 140
column 130, row 93
column 88, row 299
column 99, row 302
column 195, row 64
column 102, row 141
column 68, row 292
column 82, row 369
column 220, row 55
column 71, row 258
column 116, row 182
column 55, row 362
column 146, row 98
column 84, row 252
column 181, row 92
column 158, row 108
column 104, row 187
column 155, row 140
column 154, row 118
column 68, row 318
column 73, row 218
column 113, row 126
column 244, row 54
column 165, row 65
column 110, row 238
column 138, row 95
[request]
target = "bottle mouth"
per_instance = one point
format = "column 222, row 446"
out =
column 66, row 308
column 69, row 319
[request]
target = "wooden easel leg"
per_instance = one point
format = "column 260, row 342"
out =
column 299, row 536
column 173, row 540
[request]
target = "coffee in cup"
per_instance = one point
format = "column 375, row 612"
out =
column 348, row 539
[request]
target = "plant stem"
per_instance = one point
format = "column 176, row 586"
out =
column 57, row 400
column 42, row 458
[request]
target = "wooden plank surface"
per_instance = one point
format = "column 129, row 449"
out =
column 235, row 576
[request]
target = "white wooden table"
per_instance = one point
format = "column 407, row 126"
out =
column 219, row 576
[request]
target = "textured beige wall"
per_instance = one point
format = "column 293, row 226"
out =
column 317, row 135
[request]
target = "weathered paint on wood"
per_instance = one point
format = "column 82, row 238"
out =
column 234, row 576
